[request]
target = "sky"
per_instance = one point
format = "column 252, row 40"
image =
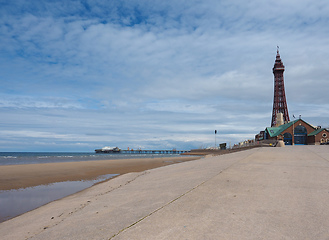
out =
column 76, row 75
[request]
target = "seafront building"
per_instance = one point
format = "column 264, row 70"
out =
column 290, row 132
column 298, row 132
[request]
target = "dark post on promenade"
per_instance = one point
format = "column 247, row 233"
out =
column 215, row 139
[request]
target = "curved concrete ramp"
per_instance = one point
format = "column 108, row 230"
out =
column 264, row 193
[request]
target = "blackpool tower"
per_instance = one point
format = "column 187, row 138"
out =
column 279, row 100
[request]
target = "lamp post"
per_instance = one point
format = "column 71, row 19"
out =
column 293, row 131
column 215, row 138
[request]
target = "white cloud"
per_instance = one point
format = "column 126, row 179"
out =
column 32, row 102
column 179, row 107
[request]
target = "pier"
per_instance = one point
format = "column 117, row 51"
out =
column 139, row 151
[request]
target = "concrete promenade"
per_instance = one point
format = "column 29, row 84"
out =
column 262, row 193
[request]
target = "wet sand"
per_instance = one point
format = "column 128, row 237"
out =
column 22, row 176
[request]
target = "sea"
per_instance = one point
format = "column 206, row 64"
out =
column 18, row 201
column 14, row 158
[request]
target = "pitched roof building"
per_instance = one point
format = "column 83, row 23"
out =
column 298, row 132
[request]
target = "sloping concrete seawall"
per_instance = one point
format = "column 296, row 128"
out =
column 262, row 193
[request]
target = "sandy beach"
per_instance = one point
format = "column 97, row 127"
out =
column 29, row 175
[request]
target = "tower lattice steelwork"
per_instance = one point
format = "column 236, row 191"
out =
column 279, row 101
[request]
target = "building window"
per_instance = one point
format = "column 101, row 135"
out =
column 324, row 135
column 300, row 135
column 300, row 130
column 287, row 138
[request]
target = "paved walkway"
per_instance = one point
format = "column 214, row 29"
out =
column 265, row 193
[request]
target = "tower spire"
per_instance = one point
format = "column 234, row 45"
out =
column 279, row 100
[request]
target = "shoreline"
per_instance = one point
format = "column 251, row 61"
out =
column 31, row 175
